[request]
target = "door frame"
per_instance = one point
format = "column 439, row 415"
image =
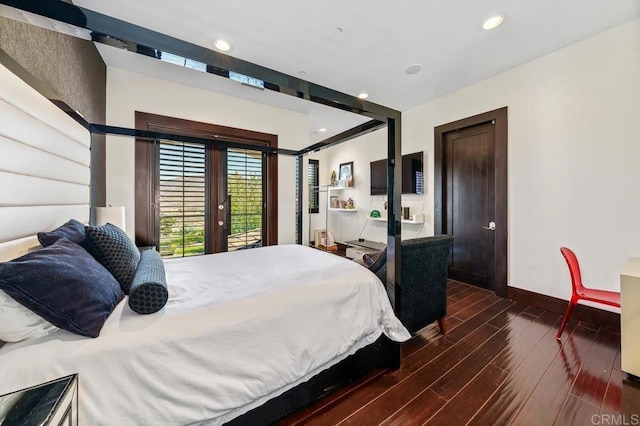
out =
column 145, row 207
column 499, row 116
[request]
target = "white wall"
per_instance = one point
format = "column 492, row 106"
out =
column 574, row 158
column 362, row 151
column 128, row 92
column 574, row 123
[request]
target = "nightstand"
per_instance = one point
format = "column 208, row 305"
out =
column 54, row 403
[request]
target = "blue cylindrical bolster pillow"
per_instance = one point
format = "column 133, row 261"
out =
column 148, row 293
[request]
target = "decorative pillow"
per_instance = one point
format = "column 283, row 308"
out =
column 64, row 285
column 72, row 231
column 148, row 292
column 112, row 247
column 18, row 323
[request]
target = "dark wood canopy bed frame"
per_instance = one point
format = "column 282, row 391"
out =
column 107, row 30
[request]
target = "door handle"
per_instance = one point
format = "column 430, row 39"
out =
column 221, row 207
column 228, row 215
column 226, row 223
column 491, row 227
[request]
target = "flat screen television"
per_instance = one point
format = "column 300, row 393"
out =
column 412, row 175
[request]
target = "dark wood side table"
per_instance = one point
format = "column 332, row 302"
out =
column 54, row 403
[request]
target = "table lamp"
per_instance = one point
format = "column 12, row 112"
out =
column 112, row 215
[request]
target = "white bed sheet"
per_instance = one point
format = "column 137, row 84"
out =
column 239, row 329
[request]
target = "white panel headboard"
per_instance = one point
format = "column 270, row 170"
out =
column 44, row 166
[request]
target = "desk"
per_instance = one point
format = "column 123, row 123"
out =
column 357, row 249
column 630, row 316
column 367, row 244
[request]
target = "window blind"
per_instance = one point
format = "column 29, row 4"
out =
column 313, row 176
column 183, row 197
column 298, row 202
column 419, row 182
column 245, row 169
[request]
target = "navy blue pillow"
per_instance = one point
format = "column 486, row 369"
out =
column 112, row 247
column 64, row 285
column 72, row 231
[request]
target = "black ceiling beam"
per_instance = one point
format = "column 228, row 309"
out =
column 40, row 87
column 103, row 129
column 115, row 32
column 347, row 135
column 153, row 136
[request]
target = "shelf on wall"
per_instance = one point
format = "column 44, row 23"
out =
column 378, row 219
column 334, row 209
column 419, row 219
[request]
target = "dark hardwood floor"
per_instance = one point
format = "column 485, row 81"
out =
column 498, row 364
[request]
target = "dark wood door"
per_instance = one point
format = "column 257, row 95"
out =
column 470, row 203
column 194, row 198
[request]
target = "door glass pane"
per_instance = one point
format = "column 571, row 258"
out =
column 246, row 198
column 313, row 178
column 182, row 199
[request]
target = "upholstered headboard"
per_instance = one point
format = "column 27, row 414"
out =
column 44, row 166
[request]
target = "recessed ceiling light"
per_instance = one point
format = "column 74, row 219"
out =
column 363, row 95
column 492, row 22
column 302, row 73
column 322, row 129
column 413, row 69
column 222, row 45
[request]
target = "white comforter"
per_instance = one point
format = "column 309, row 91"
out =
column 239, row 329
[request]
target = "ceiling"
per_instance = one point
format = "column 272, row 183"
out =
column 331, row 119
column 365, row 45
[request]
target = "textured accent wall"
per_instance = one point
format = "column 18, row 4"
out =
column 71, row 68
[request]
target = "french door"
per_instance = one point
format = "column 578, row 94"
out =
column 244, row 194
column 209, row 199
column 194, row 198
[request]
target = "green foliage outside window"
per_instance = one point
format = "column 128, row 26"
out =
column 178, row 240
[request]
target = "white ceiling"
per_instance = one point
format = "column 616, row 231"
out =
column 320, row 116
column 378, row 41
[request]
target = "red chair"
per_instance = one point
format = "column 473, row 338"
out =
column 580, row 292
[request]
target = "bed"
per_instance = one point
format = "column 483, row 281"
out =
column 243, row 335
column 239, row 329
